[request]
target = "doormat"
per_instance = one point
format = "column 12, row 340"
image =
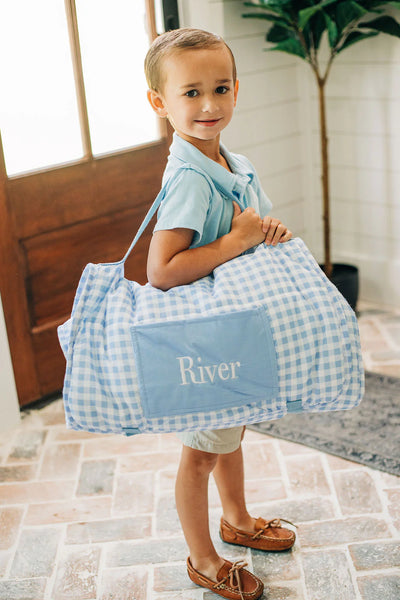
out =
column 368, row 434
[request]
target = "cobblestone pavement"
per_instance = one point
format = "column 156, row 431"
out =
column 89, row 517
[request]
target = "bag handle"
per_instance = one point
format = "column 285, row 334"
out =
column 152, row 211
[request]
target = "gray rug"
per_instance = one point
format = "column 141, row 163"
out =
column 368, row 434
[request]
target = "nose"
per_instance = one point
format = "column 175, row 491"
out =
column 210, row 104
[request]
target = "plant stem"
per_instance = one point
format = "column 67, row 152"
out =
column 324, row 176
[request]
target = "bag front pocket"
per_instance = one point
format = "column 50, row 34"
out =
column 205, row 364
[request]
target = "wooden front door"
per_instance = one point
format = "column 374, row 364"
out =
column 52, row 223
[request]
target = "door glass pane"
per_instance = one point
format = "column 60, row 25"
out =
column 114, row 42
column 39, row 119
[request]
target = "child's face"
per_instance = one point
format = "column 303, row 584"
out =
column 199, row 93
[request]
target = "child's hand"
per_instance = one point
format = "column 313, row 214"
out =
column 275, row 231
column 248, row 226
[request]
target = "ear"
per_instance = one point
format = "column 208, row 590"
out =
column 235, row 91
column 157, row 103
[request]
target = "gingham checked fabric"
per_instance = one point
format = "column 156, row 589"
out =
column 314, row 331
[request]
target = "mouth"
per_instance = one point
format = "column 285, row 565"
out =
column 208, row 122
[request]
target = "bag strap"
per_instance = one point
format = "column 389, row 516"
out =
column 146, row 221
column 152, row 211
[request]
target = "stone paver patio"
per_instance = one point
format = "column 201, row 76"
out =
column 90, row 517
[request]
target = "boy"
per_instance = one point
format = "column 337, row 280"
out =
column 214, row 210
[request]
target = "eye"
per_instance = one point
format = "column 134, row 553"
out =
column 222, row 89
column 192, row 93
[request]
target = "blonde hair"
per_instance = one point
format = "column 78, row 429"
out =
column 172, row 41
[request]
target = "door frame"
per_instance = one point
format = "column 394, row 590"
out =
column 30, row 214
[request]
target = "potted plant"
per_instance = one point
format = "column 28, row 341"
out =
column 298, row 27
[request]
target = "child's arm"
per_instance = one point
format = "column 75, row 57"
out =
column 171, row 262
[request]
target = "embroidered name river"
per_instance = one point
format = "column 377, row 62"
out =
column 191, row 373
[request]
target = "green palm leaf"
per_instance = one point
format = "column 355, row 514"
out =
column 290, row 46
column 307, row 13
column 332, row 31
column 278, row 33
column 347, row 12
column 384, row 24
column 354, row 37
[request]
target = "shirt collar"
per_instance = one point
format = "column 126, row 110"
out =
column 233, row 184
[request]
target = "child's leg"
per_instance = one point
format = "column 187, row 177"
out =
column 237, row 525
column 229, row 477
column 191, row 493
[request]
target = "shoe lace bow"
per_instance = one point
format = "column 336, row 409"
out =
column 269, row 524
column 234, row 574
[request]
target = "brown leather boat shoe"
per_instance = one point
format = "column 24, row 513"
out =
column 268, row 535
column 233, row 581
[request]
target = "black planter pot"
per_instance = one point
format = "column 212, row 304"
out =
column 345, row 277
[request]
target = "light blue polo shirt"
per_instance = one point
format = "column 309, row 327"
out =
column 199, row 192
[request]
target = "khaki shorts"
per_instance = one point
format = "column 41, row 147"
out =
column 216, row 441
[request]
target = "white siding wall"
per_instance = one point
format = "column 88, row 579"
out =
column 363, row 106
column 276, row 126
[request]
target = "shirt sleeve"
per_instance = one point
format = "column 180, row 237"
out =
column 186, row 203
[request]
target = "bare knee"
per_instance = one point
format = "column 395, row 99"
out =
column 198, row 462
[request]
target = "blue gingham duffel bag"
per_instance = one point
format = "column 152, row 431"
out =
column 265, row 334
